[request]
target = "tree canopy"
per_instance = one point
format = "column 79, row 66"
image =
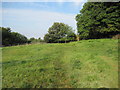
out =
column 59, row 32
column 98, row 20
column 12, row 38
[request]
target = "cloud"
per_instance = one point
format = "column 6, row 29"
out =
column 34, row 23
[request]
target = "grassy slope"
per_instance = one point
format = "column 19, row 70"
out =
column 83, row 64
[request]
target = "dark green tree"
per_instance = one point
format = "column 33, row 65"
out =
column 59, row 32
column 12, row 38
column 99, row 20
column 6, row 35
column 17, row 38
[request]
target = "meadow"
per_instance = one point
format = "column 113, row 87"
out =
column 81, row 64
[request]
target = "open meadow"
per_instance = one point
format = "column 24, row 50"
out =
column 82, row 64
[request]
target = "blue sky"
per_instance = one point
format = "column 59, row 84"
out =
column 33, row 19
column 65, row 7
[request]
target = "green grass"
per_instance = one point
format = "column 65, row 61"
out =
column 82, row 64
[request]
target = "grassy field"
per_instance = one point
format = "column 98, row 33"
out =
column 82, row 64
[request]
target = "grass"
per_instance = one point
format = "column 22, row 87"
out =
column 82, row 64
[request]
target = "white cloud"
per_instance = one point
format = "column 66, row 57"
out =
column 34, row 23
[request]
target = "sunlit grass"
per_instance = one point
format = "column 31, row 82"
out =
column 82, row 64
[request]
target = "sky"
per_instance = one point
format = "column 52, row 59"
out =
column 33, row 19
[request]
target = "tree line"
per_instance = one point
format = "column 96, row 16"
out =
column 12, row 38
column 57, row 33
column 96, row 20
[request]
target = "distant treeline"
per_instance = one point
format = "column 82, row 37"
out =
column 62, row 33
column 96, row 20
column 10, row 38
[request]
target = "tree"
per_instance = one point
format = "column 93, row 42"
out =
column 17, row 38
column 34, row 40
column 12, row 38
column 47, row 38
column 99, row 20
column 40, row 40
column 59, row 32
column 6, row 35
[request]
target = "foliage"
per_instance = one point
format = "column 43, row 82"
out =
column 6, row 35
column 34, row 40
column 12, row 38
column 59, row 32
column 17, row 38
column 99, row 20
column 82, row 64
